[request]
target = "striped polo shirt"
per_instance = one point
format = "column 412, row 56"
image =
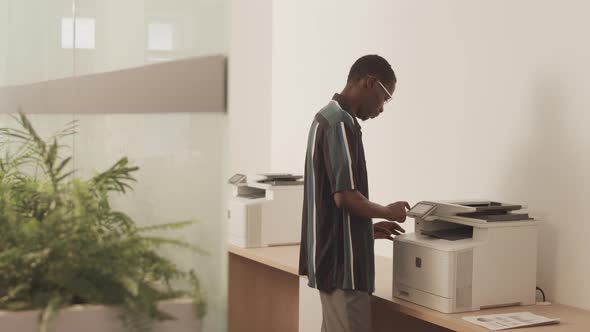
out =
column 336, row 247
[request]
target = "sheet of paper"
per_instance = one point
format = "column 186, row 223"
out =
column 510, row 321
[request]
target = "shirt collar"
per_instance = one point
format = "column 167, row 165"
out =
column 338, row 100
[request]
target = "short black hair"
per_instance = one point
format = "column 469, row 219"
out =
column 374, row 65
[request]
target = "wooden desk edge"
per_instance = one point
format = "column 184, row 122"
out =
column 286, row 258
column 258, row 255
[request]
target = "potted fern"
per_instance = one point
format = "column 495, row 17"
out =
column 65, row 252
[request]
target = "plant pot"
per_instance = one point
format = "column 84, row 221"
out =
column 99, row 318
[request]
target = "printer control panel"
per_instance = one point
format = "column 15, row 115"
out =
column 421, row 210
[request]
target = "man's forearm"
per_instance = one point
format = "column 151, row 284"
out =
column 357, row 204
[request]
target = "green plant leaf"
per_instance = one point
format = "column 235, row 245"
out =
column 167, row 226
column 49, row 311
column 130, row 285
column 158, row 241
column 62, row 164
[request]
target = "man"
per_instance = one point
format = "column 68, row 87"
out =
column 337, row 235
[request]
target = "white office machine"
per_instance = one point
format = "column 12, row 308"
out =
column 265, row 210
column 467, row 256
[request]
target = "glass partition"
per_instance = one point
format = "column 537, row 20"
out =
column 180, row 155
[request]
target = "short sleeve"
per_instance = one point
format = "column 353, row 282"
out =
column 338, row 157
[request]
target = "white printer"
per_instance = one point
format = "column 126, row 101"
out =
column 265, row 210
column 467, row 256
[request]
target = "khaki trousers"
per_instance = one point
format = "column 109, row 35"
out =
column 346, row 311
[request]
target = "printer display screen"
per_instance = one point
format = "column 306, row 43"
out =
column 420, row 209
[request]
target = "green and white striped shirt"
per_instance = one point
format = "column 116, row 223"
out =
column 337, row 249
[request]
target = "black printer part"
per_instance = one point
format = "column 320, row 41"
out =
column 451, row 234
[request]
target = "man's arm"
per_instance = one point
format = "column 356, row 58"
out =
column 355, row 203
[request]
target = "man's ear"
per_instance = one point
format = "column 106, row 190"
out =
column 369, row 82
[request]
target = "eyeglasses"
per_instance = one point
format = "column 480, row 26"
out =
column 384, row 89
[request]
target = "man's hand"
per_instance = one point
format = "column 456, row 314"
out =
column 397, row 211
column 387, row 230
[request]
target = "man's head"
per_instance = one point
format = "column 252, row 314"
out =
column 370, row 85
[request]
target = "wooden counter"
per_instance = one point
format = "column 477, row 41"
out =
column 286, row 258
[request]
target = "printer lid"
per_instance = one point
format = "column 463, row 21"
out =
column 469, row 211
column 265, row 181
column 280, row 179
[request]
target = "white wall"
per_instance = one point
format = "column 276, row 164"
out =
column 249, row 86
column 3, row 40
column 491, row 103
column 29, row 44
column 199, row 27
column 31, row 33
